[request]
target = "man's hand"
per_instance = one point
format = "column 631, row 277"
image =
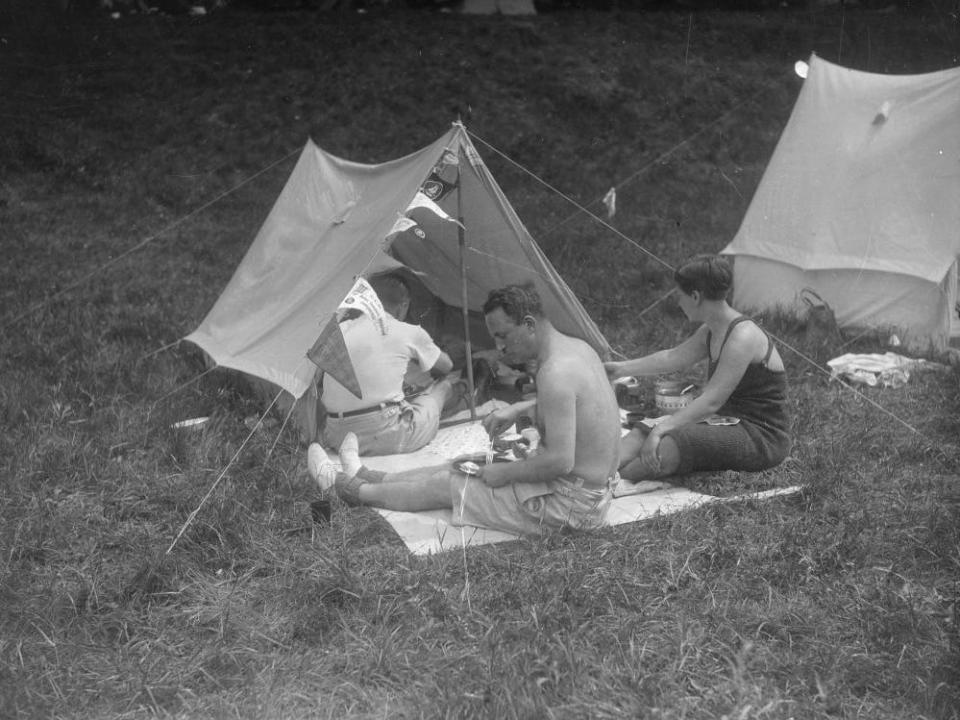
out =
column 499, row 420
column 475, row 457
column 492, row 476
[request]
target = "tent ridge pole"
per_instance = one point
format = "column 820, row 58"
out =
column 465, row 311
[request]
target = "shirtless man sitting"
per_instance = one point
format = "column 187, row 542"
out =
column 567, row 482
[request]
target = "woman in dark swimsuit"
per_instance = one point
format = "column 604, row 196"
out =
column 746, row 381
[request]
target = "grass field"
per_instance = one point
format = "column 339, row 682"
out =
column 138, row 158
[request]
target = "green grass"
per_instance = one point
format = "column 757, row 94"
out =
column 138, row 159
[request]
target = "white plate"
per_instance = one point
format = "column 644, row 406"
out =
column 191, row 423
column 468, row 467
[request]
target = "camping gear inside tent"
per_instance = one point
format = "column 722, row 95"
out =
column 437, row 215
column 861, row 203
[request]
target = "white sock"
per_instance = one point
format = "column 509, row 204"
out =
column 350, row 455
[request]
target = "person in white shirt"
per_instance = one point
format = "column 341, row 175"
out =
column 383, row 420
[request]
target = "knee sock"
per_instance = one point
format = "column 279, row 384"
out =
column 373, row 476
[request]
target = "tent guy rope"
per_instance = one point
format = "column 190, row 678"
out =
column 659, row 159
column 223, row 473
column 283, row 426
column 146, row 241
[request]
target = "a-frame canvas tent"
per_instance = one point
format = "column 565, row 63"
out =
column 861, row 202
column 333, row 222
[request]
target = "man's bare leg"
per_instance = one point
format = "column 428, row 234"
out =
column 412, row 490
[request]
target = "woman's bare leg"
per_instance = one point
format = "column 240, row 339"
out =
column 635, row 470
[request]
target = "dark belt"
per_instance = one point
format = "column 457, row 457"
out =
column 364, row 411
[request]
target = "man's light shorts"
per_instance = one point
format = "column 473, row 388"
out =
column 528, row 508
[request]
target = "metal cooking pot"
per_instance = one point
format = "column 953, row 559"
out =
column 672, row 395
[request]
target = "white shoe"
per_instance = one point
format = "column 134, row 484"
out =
column 320, row 467
column 350, row 455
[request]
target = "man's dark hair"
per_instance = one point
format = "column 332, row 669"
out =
column 391, row 288
column 711, row 275
column 516, row 301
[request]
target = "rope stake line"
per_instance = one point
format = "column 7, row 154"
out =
column 159, row 350
column 143, row 243
column 222, row 474
column 659, row 159
column 845, row 384
column 580, row 208
column 283, row 426
column 188, row 383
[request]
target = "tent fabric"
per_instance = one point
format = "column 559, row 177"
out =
column 331, row 224
column 861, row 202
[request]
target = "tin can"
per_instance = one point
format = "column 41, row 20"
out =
column 672, row 395
column 320, row 511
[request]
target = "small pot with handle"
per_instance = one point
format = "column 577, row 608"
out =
column 672, row 395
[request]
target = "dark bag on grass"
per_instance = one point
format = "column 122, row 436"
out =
column 822, row 335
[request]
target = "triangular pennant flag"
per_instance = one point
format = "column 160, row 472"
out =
column 329, row 353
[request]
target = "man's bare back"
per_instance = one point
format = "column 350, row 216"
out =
column 572, row 375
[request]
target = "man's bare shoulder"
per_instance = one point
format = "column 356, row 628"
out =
column 576, row 350
column 568, row 359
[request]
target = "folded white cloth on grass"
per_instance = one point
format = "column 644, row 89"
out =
column 887, row 369
column 622, row 488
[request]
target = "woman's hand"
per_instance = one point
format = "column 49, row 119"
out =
column 613, row 369
column 650, row 453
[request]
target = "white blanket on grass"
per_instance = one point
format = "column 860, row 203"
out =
column 433, row 531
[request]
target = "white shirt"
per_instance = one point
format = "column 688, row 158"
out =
column 379, row 361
